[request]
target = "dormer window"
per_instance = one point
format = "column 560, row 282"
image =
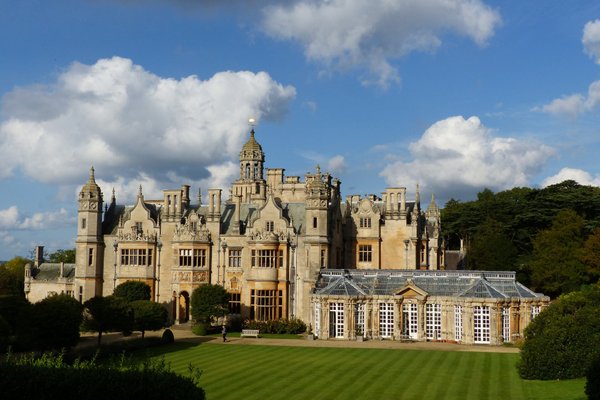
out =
column 365, row 222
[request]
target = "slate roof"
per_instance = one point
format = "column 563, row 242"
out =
column 471, row 284
column 50, row 272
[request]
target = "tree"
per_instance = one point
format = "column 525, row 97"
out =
column 208, row 302
column 491, row 249
column 555, row 264
column 590, row 256
column 148, row 316
column 564, row 339
column 11, row 307
column 52, row 323
column 12, row 276
column 107, row 314
column 65, row 256
column 132, row 291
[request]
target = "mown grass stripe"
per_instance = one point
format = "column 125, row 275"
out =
column 234, row 371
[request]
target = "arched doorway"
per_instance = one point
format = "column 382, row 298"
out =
column 183, row 309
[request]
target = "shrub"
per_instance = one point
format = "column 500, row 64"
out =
column 11, row 306
column 52, row 323
column 107, row 314
column 49, row 377
column 132, row 291
column 564, row 339
column 592, row 386
column 208, row 302
column 291, row 326
column 168, row 337
column 200, row 329
column 148, row 316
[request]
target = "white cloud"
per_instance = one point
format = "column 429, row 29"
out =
column 11, row 219
column 580, row 176
column 370, row 34
column 458, row 157
column 336, row 165
column 134, row 126
column 591, row 40
column 575, row 104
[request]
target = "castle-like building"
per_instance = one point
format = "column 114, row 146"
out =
column 282, row 247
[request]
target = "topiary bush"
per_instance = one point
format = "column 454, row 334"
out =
column 132, row 291
column 564, row 339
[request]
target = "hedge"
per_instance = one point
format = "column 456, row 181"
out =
column 293, row 326
column 51, row 378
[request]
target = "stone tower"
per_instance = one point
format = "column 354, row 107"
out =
column 251, row 184
column 89, row 243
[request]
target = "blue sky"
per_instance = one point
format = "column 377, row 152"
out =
column 457, row 95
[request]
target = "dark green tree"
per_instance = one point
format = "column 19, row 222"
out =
column 208, row 302
column 11, row 307
column 555, row 264
column 12, row 276
column 563, row 340
column 491, row 249
column 590, row 256
column 66, row 256
column 133, row 290
column 52, row 323
column 148, row 316
column 107, row 314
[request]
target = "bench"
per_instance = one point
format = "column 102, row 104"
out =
column 249, row 332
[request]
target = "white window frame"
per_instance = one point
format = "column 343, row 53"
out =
column 458, row 323
column 359, row 319
column 481, row 324
column 410, row 315
column 336, row 320
column 535, row 311
column 433, row 321
column 386, row 320
column 506, row 324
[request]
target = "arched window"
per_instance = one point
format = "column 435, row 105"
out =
column 247, row 175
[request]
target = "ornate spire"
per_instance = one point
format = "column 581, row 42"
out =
column 92, row 179
column 199, row 197
column 140, row 192
column 113, row 199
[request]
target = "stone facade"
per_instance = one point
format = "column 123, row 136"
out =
column 266, row 243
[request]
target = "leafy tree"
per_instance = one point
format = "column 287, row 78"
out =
column 132, row 291
column 555, row 264
column 491, row 249
column 563, row 340
column 11, row 307
column 148, row 316
column 592, row 385
column 107, row 314
column 52, row 323
column 66, row 256
column 12, row 276
column 208, row 302
column 590, row 256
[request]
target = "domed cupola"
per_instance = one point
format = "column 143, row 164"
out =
column 252, row 159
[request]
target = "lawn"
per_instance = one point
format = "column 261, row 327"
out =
column 233, row 371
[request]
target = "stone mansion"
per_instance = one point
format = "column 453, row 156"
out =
column 286, row 247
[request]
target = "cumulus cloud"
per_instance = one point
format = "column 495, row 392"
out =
column 131, row 124
column 580, row 176
column 336, row 165
column 369, row 34
column 575, row 104
column 457, row 157
column 11, row 219
column 591, row 40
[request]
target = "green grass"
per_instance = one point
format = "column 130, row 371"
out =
column 298, row 373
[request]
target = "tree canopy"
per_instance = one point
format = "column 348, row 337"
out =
column 562, row 342
column 209, row 301
column 517, row 230
column 62, row 255
column 12, row 276
column 133, row 290
column 107, row 314
column 148, row 316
